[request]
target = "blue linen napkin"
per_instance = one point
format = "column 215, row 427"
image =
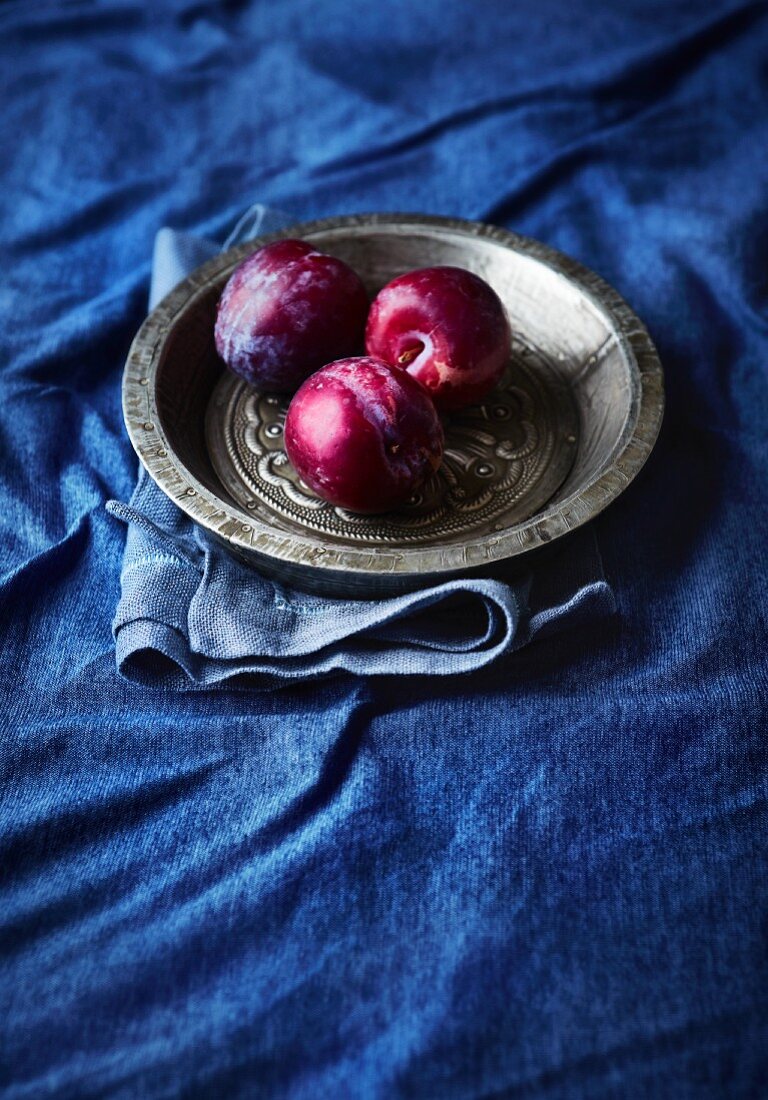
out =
column 191, row 615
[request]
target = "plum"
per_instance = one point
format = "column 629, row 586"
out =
column 363, row 434
column 285, row 311
column 447, row 328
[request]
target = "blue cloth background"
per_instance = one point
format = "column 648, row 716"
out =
column 545, row 879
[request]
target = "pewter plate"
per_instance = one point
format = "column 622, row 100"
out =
column 571, row 423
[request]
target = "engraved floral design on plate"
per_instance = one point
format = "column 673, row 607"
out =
column 503, row 460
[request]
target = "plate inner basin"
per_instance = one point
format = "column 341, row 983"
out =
column 504, row 459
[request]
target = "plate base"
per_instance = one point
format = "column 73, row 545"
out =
column 504, row 459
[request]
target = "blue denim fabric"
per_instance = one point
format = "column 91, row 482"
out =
column 545, row 878
column 190, row 613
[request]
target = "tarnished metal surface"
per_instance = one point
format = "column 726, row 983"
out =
column 503, row 460
column 571, row 424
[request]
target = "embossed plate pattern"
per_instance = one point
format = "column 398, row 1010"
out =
column 504, row 459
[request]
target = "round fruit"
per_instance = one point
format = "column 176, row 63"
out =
column 286, row 311
column 363, row 435
column 447, row 328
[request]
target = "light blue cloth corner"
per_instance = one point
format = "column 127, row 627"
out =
column 176, row 254
column 191, row 615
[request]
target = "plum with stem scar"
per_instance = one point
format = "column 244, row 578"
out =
column 447, row 328
column 287, row 310
column 363, row 435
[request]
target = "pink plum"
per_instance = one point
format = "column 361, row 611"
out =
column 287, row 310
column 447, row 328
column 363, row 435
